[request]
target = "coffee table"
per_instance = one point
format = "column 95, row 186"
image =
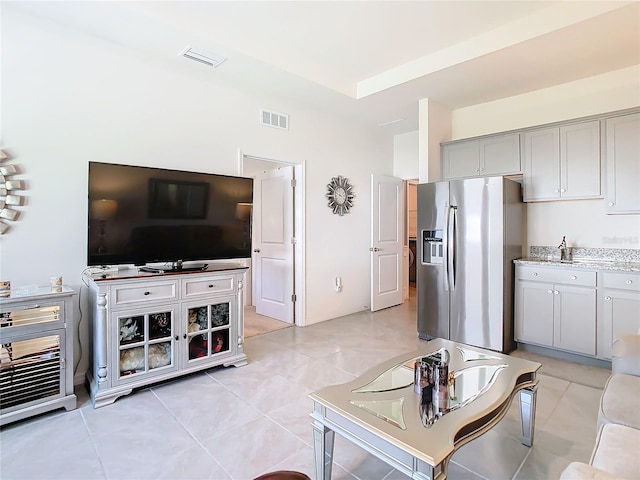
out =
column 381, row 412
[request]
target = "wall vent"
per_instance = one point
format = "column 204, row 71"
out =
column 201, row 56
column 273, row 119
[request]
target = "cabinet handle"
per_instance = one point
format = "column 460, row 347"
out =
column 256, row 250
column 147, row 293
column 211, row 285
column 31, row 307
column 607, row 298
column 573, row 277
column 629, row 282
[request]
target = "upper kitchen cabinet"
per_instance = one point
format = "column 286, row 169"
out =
column 622, row 150
column 495, row 155
column 562, row 162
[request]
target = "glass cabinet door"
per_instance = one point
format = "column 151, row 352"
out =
column 208, row 329
column 146, row 343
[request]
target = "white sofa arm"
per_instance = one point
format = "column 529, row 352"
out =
column 626, row 354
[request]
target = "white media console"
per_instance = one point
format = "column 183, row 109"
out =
column 149, row 327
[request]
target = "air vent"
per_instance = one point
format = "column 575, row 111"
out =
column 201, row 56
column 273, row 119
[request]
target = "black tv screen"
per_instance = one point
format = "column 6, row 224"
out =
column 141, row 215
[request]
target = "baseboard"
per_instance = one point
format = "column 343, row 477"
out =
column 78, row 378
column 570, row 357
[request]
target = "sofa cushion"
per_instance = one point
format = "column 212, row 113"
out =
column 620, row 401
column 582, row 471
column 625, row 357
column 616, row 451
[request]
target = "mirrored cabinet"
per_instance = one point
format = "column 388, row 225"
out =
column 36, row 353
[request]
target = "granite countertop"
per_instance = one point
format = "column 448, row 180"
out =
column 605, row 259
column 588, row 264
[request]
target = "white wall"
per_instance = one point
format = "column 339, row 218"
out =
column 405, row 155
column 584, row 223
column 68, row 99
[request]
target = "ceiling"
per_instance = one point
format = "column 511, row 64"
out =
column 370, row 60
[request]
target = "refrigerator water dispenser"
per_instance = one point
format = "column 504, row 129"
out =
column 432, row 248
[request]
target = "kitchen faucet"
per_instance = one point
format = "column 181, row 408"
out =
column 564, row 252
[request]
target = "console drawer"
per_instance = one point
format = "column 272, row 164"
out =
column 203, row 286
column 622, row 281
column 149, row 292
column 567, row 276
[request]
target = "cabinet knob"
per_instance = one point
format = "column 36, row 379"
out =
column 256, row 250
column 177, row 337
column 147, row 293
column 555, row 190
column 556, row 292
column 477, row 170
column 563, row 190
column 211, row 285
column 550, row 291
column 535, row 274
column 573, row 277
column 607, row 298
column 184, row 336
column 629, row 282
column 610, row 204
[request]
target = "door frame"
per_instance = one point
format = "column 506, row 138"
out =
column 299, row 202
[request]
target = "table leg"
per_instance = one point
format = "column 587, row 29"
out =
column 528, row 414
column 323, row 450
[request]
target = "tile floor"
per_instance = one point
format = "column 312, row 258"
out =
column 236, row 423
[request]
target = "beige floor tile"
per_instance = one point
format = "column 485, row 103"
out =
column 235, row 423
column 258, row 448
column 541, row 464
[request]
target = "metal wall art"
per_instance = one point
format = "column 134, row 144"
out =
column 340, row 195
column 8, row 193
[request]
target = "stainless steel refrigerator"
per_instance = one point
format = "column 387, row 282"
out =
column 469, row 233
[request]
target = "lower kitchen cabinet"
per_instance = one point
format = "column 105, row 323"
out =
column 556, row 308
column 151, row 327
column 618, row 308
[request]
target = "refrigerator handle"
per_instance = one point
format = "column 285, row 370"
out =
column 451, row 248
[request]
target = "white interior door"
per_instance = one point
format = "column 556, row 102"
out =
column 386, row 241
column 273, row 250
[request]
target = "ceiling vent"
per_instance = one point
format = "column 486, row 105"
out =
column 273, row 119
column 201, row 56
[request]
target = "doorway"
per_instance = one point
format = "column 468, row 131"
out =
column 412, row 227
column 274, row 297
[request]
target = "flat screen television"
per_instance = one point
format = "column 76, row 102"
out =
column 140, row 215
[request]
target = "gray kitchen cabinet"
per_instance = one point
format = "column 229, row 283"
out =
column 622, row 150
column 494, row 155
column 618, row 308
column 534, row 313
column 562, row 162
column 556, row 307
